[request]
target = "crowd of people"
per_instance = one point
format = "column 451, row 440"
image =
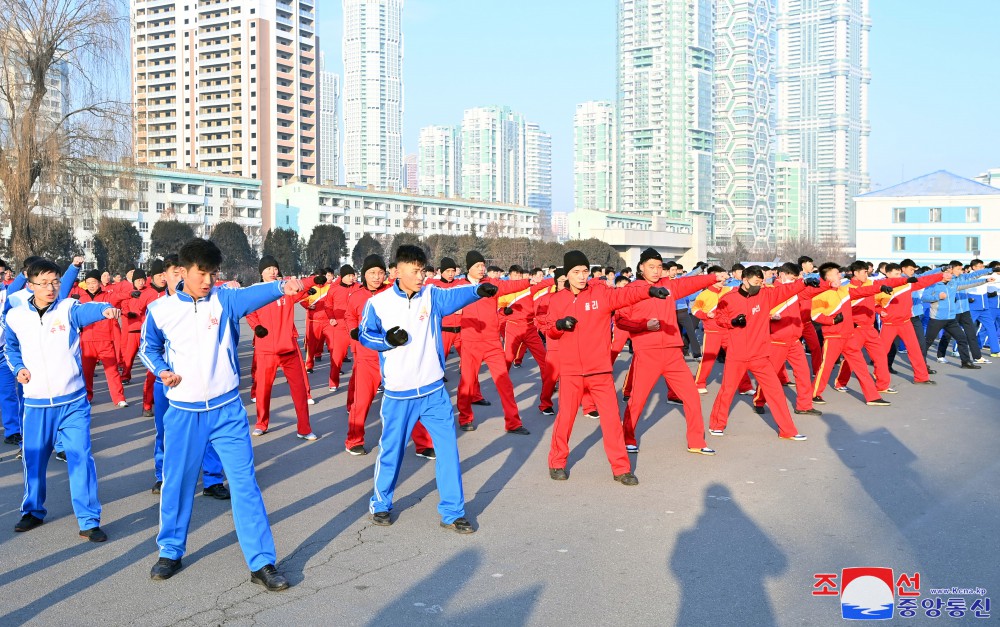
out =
column 400, row 322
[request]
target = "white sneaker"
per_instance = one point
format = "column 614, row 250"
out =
column 333, row 388
column 674, row 401
column 717, row 432
column 312, row 437
column 253, row 400
column 631, row 448
column 982, row 360
column 702, row 390
column 841, row 389
column 310, row 402
column 122, row 404
column 942, row 360
column 750, row 392
column 798, row 437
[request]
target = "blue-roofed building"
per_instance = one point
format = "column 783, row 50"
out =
column 931, row 219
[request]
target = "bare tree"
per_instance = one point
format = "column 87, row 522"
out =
column 820, row 251
column 47, row 126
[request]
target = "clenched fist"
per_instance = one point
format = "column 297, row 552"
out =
column 292, row 287
column 487, row 290
column 566, row 324
column 397, row 336
column 885, row 289
column 659, row 292
column 260, row 331
column 739, row 321
column 112, row 313
column 170, row 379
column 23, row 376
column 838, row 319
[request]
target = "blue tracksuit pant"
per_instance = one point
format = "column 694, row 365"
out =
column 186, row 435
column 211, row 468
column 988, row 320
column 10, row 409
column 398, row 417
column 70, row 423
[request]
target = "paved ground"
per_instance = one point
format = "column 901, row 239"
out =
column 728, row 540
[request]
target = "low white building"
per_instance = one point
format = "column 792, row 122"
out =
column 680, row 240
column 931, row 219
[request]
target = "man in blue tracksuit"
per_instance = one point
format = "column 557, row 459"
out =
column 43, row 352
column 403, row 324
column 984, row 307
column 212, row 476
column 962, row 282
column 190, row 341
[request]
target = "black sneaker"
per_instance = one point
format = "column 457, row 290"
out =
column 758, row 410
column 818, row 400
column 27, row 523
column 519, row 431
column 482, row 402
column 461, row 525
column 157, row 487
column 971, row 366
column 382, row 519
column 445, row 379
column 13, row 439
column 309, row 370
column 879, row 402
column 164, row 568
column 929, row 371
column 61, row 456
column 217, row 491
column 426, row 453
column 808, row 412
column 548, row 411
column 94, row 534
column 625, row 398
column 594, row 415
column 627, row 479
column 467, row 427
column 357, row 450
column 515, row 365
column 147, row 413
column 559, row 474
column 927, row 382
column 270, row 578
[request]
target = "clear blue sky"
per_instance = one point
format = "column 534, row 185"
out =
column 934, row 100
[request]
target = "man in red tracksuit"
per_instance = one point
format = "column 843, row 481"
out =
column 338, row 336
column 481, row 344
column 863, row 312
column 656, row 338
column 521, row 331
column 716, row 338
column 582, row 325
column 133, row 306
column 317, row 320
column 276, row 343
column 832, row 309
column 746, row 313
column 156, row 287
column 367, row 375
column 786, row 333
column 119, row 291
column 805, row 315
column 451, row 325
column 897, row 310
column 97, row 342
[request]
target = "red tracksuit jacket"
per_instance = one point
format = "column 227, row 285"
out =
column 826, row 307
column 336, row 302
column 100, row 331
column 355, row 308
column 278, row 318
column 524, row 307
column 634, row 318
column 586, row 350
column 480, row 321
column 137, row 305
column 788, row 327
column 897, row 309
column 863, row 307
column 451, row 321
column 753, row 341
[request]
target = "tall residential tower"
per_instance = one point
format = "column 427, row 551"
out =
column 594, row 156
column 439, row 162
column 538, row 174
column 329, row 125
column 493, row 155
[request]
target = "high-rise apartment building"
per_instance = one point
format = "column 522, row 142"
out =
column 329, row 125
column 594, row 156
column 373, row 93
column 493, row 155
column 790, row 200
column 744, row 121
column 664, row 107
column 439, row 162
column 411, row 175
column 227, row 87
column 822, row 100
column 538, row 173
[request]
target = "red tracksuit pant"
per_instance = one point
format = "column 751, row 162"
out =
column 473, row 356
column 552, row 357
column 629, row 378
column 871, row 341
column 833, row 348
column 365, row 381
column 667, row 363
column 315, row 338
column 104, row 352
column 767, row 378
column 913, row 348
column 147, row 391
column 130, row 350
column 602, row 388
column 267, row 370
column 116, row 335
column 813, row 344
column 709, row 352
column 338, row 340
column 794, row 354
column 451, row 340
column 527, row 336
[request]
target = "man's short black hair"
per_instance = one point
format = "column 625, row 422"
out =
column 42, row 266
column 609, row 270
column 627, row 270
column 826, row 267
column 428, row 268
column 790, row 268
column 974, row 262
column 28, row 261
column 753, row 271
column 494, row 269
column 621, row 279
column 737, row 266
column 3, row 264
column 515, row 268
column 907, row 263
column 714, row 269
column 804, row 259
column 202, row 253
column 171, row 260
column 408, row 253
column 535, row 271
column 392, row 264
column 956, row 264
column 859, row 265
column 890, row 267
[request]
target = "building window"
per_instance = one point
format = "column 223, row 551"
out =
column 935, row 214
column 209, row 211
column 208, row 191
column 143, row 186
column 934, row 244
column 898, row 243
column 972, row 214
column 898, row 214
column 972, row 243
column 88, row 224
column 144, row 227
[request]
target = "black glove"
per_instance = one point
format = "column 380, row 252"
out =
column 320, row 279
column 659, row 292
column 811, row 281
column 76, row 296
column 131, row 314
column 312, row 291
column 566, row 324
column 912, row 280
column 508, row 311
column 988, row 295
column 136, row 294
column 972, row 300
column 354, row 334
column 487, row 290
column 838, row 318
column 739, row 321
column 885, row 289
column 397, row 337
column 260, row 331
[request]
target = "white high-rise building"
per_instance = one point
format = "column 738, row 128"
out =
column 329, row 125
column 493, row 155
column 744, row 122
column 228, row 88
column 594, row 156
column 373, row 93
column 439, row 162
column 822, row 101
column 538, row 173
column 664, row 107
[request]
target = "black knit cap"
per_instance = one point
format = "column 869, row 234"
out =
column 93, row 274
column 156, row 267
column 574, row 258
column 371, row 261
column 267, row 261
column 473, row 257
column 347, row 269
column 560, row 272
column 138, row 273
column 448, row 264
column 649, row 253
